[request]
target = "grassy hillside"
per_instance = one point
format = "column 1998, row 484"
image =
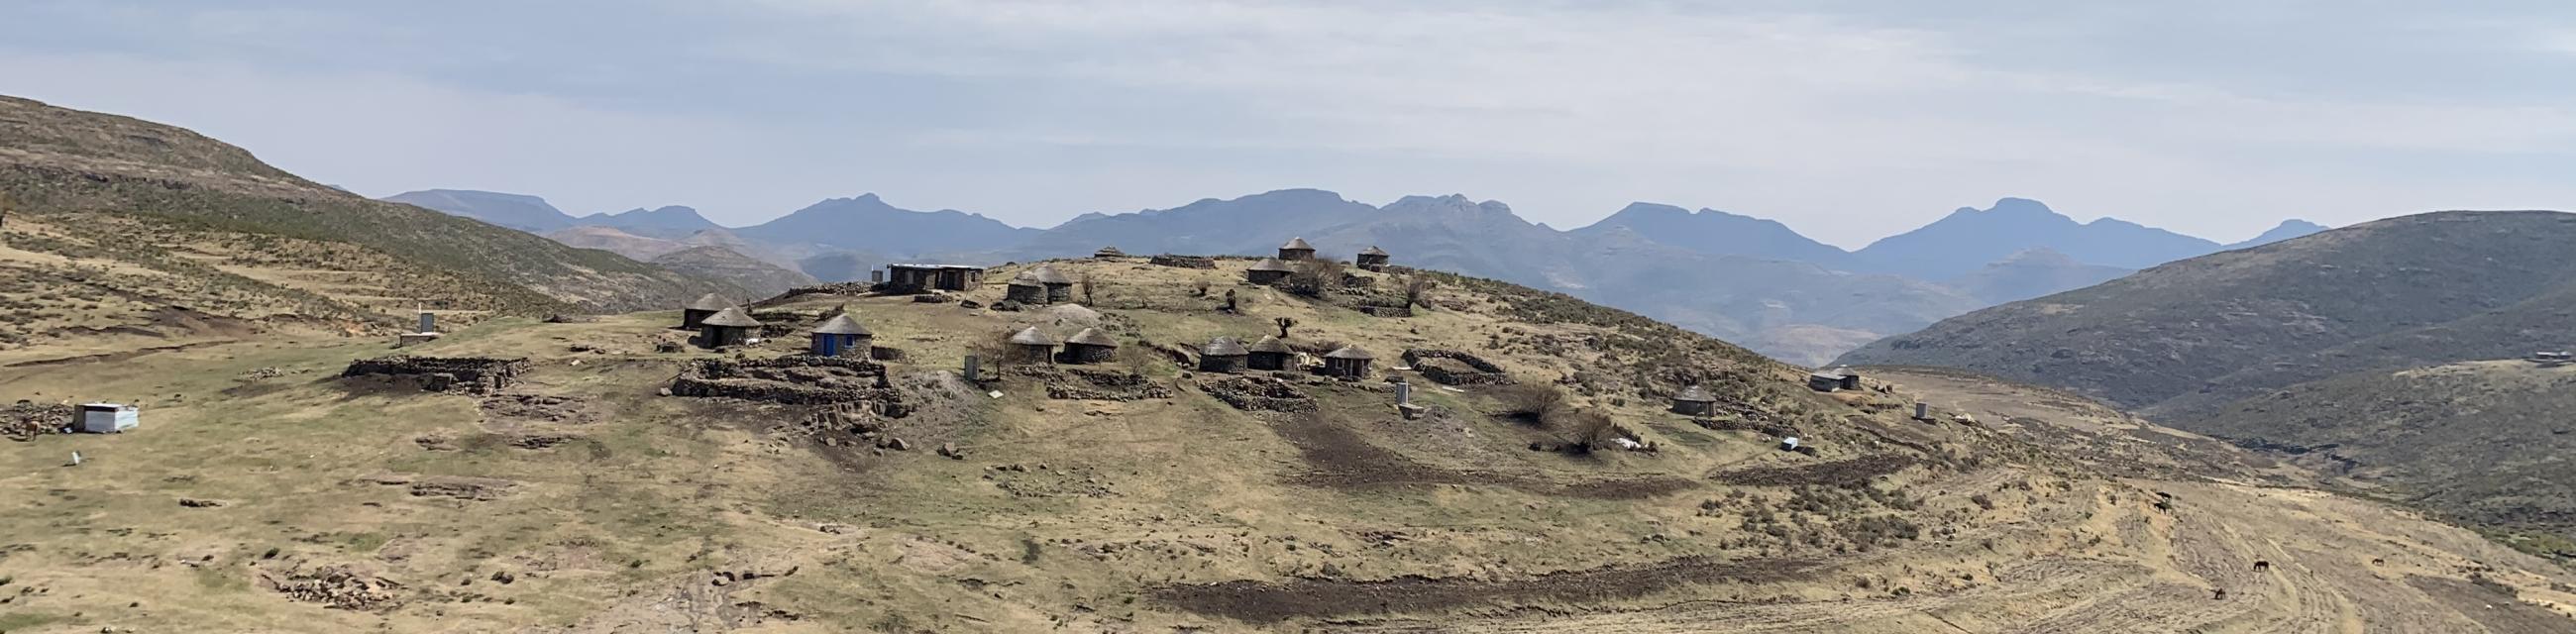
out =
column 82, row 173
column 267, row 493
column 2485, row 441
column 756, row 278
column 2182, row 339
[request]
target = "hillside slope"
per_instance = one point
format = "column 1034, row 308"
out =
column 2182, row 339
column 2483, row 441
column 755, row 277
column 516, row 211
column 767, row 492
column 174, row 198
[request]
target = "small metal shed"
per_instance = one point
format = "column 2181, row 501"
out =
column 109, row 418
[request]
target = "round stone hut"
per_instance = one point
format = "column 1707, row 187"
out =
column 1268, row 270
column 1372, row 259
column 1058, row 287
column 1694, row 401
column 728, row 327
column 1030, row 346
column 1296, row 249
column 1269, row 354
column 1348, row 362
column 1090, row 346
column 1025, row 289
column 842, row 336
column 697, row 312
column 1223, row 354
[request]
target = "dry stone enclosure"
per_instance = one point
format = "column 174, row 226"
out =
column 1183, row 261
column 479, row 375
column 791, row 380
column 1253, row 393
column 1451, row 367
column 1103, row 385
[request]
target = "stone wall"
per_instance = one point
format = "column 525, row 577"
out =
column 1258, row 394
column 793, row 380
column 1104, row 385
column 1184, row 261
column 1455, row 368
column 479, row 375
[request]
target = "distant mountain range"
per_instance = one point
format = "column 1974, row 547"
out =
column 1735, row 276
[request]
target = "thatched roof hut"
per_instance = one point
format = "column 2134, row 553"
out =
column 1269, row 354
column 1058, row 287
column 1223, row 354
column 1296, row 249
column 1372, row 259
column 1090, row 346
column 728, row 327
column 1025, row 289
column 698, row 311
column 1268, row 270
column 1693, row 401
column 842, row 335
column 1033, row 346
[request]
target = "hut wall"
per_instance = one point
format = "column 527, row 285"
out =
column 841, row 345
column 1221, row 363
column 717, row 336
column 1265, row 277
column 1267, row 361
column 1372, row 262
column 1692, row 408
column 1059, row 293
column 1346, row 367
column 1034, row 354
column 1081, row 353
column 1026, row 294
column 1293, row 255
column 689, row 317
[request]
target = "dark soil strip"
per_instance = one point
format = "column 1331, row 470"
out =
column 114, row 356
column 1342, row 460
column 1259, row 602
column 1837, row 473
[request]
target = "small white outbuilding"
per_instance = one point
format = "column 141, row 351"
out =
column 109, row 418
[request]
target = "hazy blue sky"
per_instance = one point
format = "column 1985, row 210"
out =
column 1848, row 120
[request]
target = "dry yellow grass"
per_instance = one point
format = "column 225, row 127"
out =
column 639, row 512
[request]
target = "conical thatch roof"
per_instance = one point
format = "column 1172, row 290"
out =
column 1373, row 250
column 842, row 325
column 1224, row 347
column 1349, row 352
column 1105, row 252
column 1272, row 264
column 1031, row 337
column 1695, row 395
column 1272, row 344
column 732, row 317
column 1092, row 337
column 1048, row 276
column 710, row 301
column 1025, row 279
column 1297, row 244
